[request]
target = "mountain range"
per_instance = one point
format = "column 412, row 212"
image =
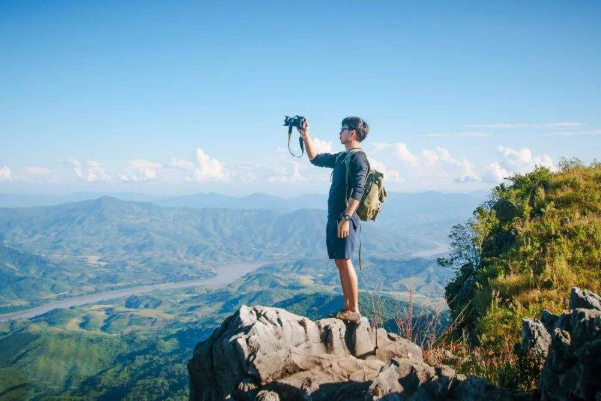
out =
column 107, row 243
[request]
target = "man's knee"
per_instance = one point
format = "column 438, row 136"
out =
column 342, row 263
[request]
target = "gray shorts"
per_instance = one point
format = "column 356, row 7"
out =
column 341, row 248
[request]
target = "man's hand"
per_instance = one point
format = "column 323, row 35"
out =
column 304, row 129
column 343, row 227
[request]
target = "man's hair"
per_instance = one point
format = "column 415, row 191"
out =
column 357, row 124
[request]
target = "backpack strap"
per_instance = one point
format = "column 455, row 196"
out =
column 347, row 161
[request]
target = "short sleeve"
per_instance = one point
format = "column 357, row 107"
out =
column 324, row 160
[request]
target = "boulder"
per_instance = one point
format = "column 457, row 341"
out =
column 572, row 370
column 264, row 353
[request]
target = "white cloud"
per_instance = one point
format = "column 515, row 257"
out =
column 202, row 168
column 429, row 164
column 514, row 161
column 76, row 167
column 522, row 161
column 37, row 170
column 380, row 146
column 404, row 154
column 528, row 125
column 430, row 157
column 182, row 164
column 93, row 171
column 322, row 146
column 440, row 163
column 141, row 170
column 208, row 169
column 445, row 155
column 495, row 173
column 389, row 175
column 458, row 135
column 573, row 133
column 284, row 175
column 467, row 171
column 247, row 171
column 5, row 174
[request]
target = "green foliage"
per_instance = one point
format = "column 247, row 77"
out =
column 517, row 371
column 38, row 357
column 521, row 252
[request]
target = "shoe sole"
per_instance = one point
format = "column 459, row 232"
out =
column 347, row 319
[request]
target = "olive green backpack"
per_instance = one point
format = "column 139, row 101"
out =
column 375, row 193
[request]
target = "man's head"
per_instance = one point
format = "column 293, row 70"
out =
column 353, row 128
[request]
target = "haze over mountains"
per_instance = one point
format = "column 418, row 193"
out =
column 107, row 243
column 414, row 209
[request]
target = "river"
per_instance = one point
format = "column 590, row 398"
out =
column 225, row 275
column 439, row 249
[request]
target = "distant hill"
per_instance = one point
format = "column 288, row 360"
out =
column 32, row 200
column 134, row 233
column 107, row 243
column 28, row 276
column 424, row 213
column 420, row 201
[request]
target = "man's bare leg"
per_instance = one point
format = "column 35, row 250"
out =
column 341, row 272
column 350, row 283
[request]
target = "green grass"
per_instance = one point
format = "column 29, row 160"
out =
column 523, row 251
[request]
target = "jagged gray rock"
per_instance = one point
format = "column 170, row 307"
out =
column 584, row 299
column 536, row 339
column 269, row 354
column 572, row 370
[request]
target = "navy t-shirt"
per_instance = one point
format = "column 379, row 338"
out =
column 356, row 183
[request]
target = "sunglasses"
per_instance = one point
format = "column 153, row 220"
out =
column 343, row 129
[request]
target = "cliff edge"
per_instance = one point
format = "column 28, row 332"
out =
column 264, row 353
column 268, row 354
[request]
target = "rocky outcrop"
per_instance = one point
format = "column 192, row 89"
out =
column 572, row 370
column 268, row 354
column 263, row 353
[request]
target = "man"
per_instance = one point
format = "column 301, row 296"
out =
column 343, row 201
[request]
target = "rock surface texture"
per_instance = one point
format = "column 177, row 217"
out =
column 269, row 354
column 572, row 370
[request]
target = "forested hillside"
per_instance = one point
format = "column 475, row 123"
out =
column 523, row 250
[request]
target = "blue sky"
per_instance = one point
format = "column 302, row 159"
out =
column 188, row 96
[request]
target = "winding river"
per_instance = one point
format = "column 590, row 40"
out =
column 225, row 275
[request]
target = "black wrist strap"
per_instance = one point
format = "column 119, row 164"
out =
column 300, row 142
